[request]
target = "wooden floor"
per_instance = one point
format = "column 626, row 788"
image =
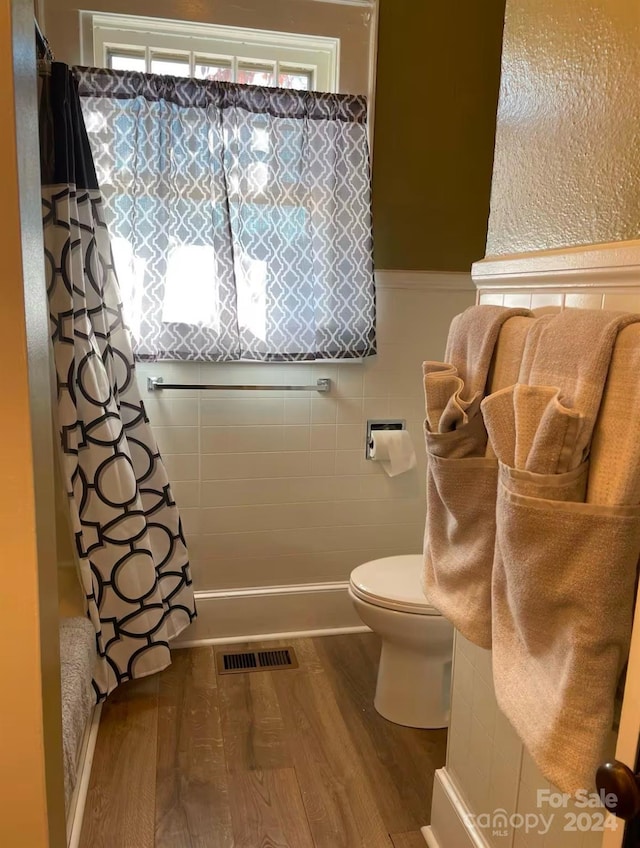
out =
column 272, row 759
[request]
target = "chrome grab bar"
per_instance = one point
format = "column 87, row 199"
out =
column 156, row 384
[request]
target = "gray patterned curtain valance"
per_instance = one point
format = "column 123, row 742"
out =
column 240, row 216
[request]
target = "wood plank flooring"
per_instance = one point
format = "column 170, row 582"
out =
column 272, row 759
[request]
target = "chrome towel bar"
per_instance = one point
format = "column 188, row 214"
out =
column 155, row 384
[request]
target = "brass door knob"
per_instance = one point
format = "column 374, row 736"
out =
column 619, row 788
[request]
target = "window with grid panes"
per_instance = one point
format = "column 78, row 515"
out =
column 226, row 54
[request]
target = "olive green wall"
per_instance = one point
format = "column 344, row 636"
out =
column 437, row 93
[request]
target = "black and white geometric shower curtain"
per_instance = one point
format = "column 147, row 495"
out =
column 131, row 551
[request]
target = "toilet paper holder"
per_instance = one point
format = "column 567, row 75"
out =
column 374, row 424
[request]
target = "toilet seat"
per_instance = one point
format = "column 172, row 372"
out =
column 392, row 583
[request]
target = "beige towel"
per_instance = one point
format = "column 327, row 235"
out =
column 615, row 451
column 453, row 389
column 445, row 407
column 530, row 428
column 461, row 479
column 472, row 339
column 571, row 350
column 508, row 357
column 564, row 570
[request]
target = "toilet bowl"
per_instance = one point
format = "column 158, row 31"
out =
column 414, row 674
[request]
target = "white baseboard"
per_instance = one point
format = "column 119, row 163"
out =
column 451, row 823
column 429, row 837
column 75, row 814
column 242, row 615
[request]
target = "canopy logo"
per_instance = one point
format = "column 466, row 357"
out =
column 587, row 814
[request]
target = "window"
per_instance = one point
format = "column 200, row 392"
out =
column 227, row 54
column 239, row 216
column 221, row 68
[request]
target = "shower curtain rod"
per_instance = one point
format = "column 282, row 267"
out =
column 154, row 384
column 42, row 45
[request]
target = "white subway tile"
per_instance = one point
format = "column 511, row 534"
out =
column 296, row 437
column 323, row 410
column 216, row 439
column 351, row 381
column 297, row 410
column 246, row 519
column 322, row 463
column 281, row 569
column 375, row 407
column 242, row 439
column 543, row 302
column 622, row 301
column 349, row 411
column 190, row 521
column 244, row 466
column 323, row 437
column 177, row 439
column 517, row 300
column 299, row 540
column 389, row 511
column 409, row 408
column 186, row 494
column 349, row 462
column 182, row 466
column 492, row 298
column 583, row 300
column 172, row 411
column 377, row 382
column 351, row 436
column 241, row 411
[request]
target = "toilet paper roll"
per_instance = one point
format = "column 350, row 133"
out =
column 394, row 450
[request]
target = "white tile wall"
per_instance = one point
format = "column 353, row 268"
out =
column 273, row 487
column 485, row 756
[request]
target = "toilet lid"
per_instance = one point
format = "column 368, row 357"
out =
column 393, row 583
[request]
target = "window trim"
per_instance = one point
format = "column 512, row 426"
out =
column 103, row 33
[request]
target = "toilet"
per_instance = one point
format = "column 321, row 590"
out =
column 414, row 674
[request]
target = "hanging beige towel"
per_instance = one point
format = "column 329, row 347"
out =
column 615, row 452
column 532, row 429
column 572, row 351
column 461, row 479
column 564, row 570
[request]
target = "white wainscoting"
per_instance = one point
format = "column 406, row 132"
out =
column 487, row 767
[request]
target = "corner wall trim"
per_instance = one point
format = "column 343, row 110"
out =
column 79, row 797
column 601, row 266
column 248, row 614
column 437, row 281
column 429, row 837
column 451, row 822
